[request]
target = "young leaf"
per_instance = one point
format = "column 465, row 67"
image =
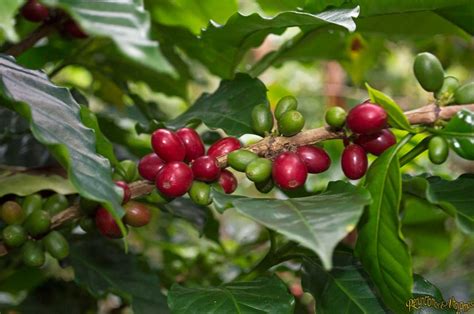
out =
column 341, row 288
column 396, row 118
column 8, row 10
column 380, row 246
column 229, row 107
column 460, row 134
column 317, row 222
column 263, row 295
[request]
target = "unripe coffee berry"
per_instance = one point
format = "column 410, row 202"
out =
column 228, row 181
column 167, row 145
column 192, row 143
column 56, row 245
column 223, row 147
column 149, row 166
column 174, row 179
column 428, row 71
column 315, row 158
column 366, row 118
column 376, row 143
column 12, row 213
column 127, row 170
column 56, row 203
column 31, row 203
column 200, row 193
column 38, row 222
column 265, row 186
column 262, row 119
column 14, row 235
column 34, row 11
column 335, row 117
column 136, row 214
column 106, row 224
column 438, row 150
column 33, row 254
column 290, row 123
column 289, row 171
column 285, row 104
column 239, row 159
column 74, row 30
column 206, row 168
column 127, row 193
column 259, row 170
column 354, row 162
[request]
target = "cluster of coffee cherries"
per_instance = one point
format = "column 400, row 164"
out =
column 27, row 228
column 36, row 12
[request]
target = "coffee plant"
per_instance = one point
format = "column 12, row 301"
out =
column 223, row 157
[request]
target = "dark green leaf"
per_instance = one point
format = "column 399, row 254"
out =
column 380, row 246
column 229, row 107
column 460, row 15
column 263, row 295
column 317, row 222
column 341, row 288
column 26, row 183
column 188, row 210
column 460, row 134
column 23, row 279
column 102, row 267
column 422, row 289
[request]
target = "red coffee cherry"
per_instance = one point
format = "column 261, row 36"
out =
column 315, row 158
column 228, row 181
column 174, row 179
column 74, row 30
column 127, row 194
column 289, row 171
column 149, row 166
column 167, row 145
column 366, row 118
column 192, row 142
column 376, row 143
column 34, row 11
column 106, row 224
column 354, row 162
column 136, row 214
column 206, row 168
column 223, row 147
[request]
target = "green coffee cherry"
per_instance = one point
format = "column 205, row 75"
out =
column 55, row 203
column 336, row 117
column 290, row 123
column 438, row 150
column 88, row 206
column 262, row 119
column 239, row 159
column 445, row 94
column 200, row 193
column 38, row 222
column 127, row 171
column 464, row 94
column 87, row 224
column 31, row 203
column 265, row 186
column 156, row 197
column 428, row 71
column 56, row 245
column 33, row 254
column 12, row 213
column 285, row 104
column 14, row 235
column 259, row 170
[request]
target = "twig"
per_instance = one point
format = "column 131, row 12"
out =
column 271, row 146
column 42, row 31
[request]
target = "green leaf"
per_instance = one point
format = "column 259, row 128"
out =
column 422, row 288
column 22, row 279
column 8, row 10
column 460, row 133
column 396, row 118
column 221, row 47
column 460, row 15
column 188, row 210
column 228, row 108
column 263, row 295
column 26, row 183
column 125, row 22
column 455, row 197
column 343, row 287
column 317, row 222
column 101, row 267
column 380, row 246
column 54, row 118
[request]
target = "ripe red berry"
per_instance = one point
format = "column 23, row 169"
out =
column 354, row 162
column 315, row 158
column 206, row 168
column 192, row 142
column 366, row 118
column 127, row 194
column 136, row 214
column 167, row 145
column 106, row 224
column 149, row 166
column 74, row 30
column 228, row 181
column 289, row 171
column 174, row 179
column 223, row 147
column 376, row 143
column 34, row 11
